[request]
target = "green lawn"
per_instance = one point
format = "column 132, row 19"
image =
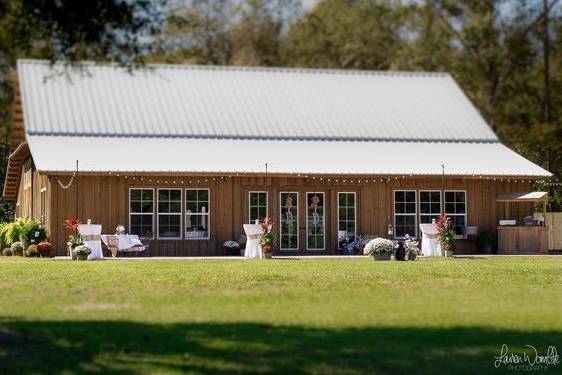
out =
column 286, row 316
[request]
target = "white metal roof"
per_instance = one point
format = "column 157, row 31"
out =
column 229, row 120
column 103, row 154
column 246, row 103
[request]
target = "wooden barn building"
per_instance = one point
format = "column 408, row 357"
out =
column 185, row 155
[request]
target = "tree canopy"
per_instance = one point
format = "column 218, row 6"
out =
column 505, row 54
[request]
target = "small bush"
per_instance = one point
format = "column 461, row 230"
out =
column 379, row 246
column 32, row 232
column 17, row 249
column 32, row 251
column 45, row 248
column 27, row 231
column 7, row 252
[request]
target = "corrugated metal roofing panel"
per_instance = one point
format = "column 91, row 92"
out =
column 246, row 103
column 103, row 154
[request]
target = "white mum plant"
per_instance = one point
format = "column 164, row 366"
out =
column 378, row 246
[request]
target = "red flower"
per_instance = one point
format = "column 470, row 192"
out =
column 72, row 223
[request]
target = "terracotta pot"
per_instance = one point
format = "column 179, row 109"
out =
column 382, row 256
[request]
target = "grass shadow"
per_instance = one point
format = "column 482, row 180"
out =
column 129, row 347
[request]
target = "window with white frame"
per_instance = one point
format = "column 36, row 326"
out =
column 169, row 213
column 289, row 220
column 257, row 205
column 346, row 217
column 141, row 212
column 43, row 205
column 430, row 205
column 315, row 221
column 455, row 208
column 405, row 217
column 197, row 213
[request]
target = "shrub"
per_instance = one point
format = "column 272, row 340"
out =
column 7, row 252
column 32, row 232
column 379, row 246
column 3, row 242
column 32, row 251
column 44, row 248
column 17, row 248
column 27, row 231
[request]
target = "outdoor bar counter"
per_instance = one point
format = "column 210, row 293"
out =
column 523, row 239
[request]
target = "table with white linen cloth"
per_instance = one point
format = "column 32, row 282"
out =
column 253, row 247
column 125, row 242
column 91, row 233
column 430, row 243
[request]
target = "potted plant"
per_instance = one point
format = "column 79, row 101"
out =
column 351, row 244
column 411, row 248
column 231, row 247
column 74, row 239
column 31, row 251
column 17, row 249
column 379, row 249
column 81, row 252
column 267, row 238
column 446, row 235
column 44, row 249
column 7, row 252
column 485, row 241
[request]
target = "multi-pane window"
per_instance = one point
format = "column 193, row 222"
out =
column 43, row 205
column 455, row 208
column 315, row 221
column 289, row 220
column 430, row 206
column 405, row 213
column 257, row 205
column 197, row 213
column 346, row 217
column 141, row 212
column 169, row 213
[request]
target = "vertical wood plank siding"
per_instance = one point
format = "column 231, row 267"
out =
column 104, row 199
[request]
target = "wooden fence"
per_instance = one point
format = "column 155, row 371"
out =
column 554, row 223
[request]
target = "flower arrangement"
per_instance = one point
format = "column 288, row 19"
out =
column 81, row 252
column 379, row 246
column 231, row 245
column 350, row 245
column 17, row 248
column 267, row 239
column 446, row 232
column 31, row 251
column 44, row 248
column 411, row 247
column 74, row 239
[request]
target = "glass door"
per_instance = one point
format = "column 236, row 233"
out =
column 315, row 221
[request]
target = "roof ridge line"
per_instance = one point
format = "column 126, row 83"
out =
column 294, row 70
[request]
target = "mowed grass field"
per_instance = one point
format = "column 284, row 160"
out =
column 278, row 316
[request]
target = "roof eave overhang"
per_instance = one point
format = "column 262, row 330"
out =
column 13, row 171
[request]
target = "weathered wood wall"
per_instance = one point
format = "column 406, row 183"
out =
column 104, row 199
column 553, row 221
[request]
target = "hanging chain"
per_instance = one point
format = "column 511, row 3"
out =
column 66, row 186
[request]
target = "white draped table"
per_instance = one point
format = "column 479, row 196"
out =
column 125, row 242
column 91, row 233
column 430, row 245
column 253, row 247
